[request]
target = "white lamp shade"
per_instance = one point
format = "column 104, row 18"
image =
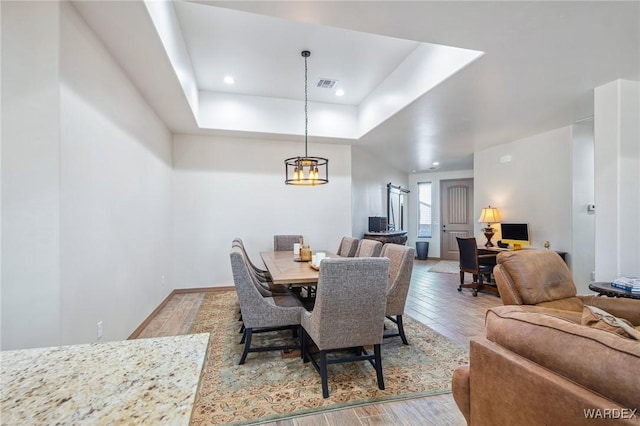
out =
column 489, row 215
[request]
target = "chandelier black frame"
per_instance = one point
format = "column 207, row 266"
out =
column 306, row 170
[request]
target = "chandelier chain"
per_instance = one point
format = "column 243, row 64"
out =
column 306, row 113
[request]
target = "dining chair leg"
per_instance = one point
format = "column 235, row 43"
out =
column 378, row 357
column 401, row 329
column 461, row 280
column 247, row 338
column 303, row 345
column 323, row 374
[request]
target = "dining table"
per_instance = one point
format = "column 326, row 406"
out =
column 285, row 269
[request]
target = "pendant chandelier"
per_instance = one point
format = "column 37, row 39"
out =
column 306, row 171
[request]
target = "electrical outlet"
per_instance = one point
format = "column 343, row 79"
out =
column 99, row 327
column 593, row 275
column 163, row 280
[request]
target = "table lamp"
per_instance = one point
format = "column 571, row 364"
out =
column 489, row 215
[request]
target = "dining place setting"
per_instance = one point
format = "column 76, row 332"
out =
column 337, row 306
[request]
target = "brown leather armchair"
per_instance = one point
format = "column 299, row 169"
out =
column 542, row 278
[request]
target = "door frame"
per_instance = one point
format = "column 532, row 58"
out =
column 443, row 246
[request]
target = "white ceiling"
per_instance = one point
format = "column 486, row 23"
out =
column 541, row 62
column 263, row 54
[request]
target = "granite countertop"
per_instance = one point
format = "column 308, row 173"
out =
column 144, row 381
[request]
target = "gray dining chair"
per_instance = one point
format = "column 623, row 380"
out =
column 262, row 277
column 348, row 247
column 369, row 248
column 400, row 271
column 286, row 242
column 349, row 313
column 262, row 314
column 264, row 285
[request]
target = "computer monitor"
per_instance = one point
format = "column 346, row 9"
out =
column 516, row 234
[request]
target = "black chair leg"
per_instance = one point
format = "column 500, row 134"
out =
column 378, row 357
column 461, row 280
column 401, row 329
column 247, row 338
column 304, row 345
column 479, row 284
column 323, row 374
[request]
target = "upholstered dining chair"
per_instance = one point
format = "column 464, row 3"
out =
column 400, row 271
column 286, row 242
column 348, row 247
column 262, row 314
column 369, row 248
column 542, row 278
column 479, row 266
column 348, row 313
column 262, row 277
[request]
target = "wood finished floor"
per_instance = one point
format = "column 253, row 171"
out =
column 433, row 300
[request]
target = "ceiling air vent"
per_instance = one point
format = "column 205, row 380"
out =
column 326, row 83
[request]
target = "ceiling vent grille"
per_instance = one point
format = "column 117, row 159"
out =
column 326, row 83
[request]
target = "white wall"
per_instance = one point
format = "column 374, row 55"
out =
column 435, row 178
column 86, row 179
column 115, row 179
column 0, row 188
column 617, row 171
column 30, row 175
column 583, row 224
column 370, row 177
column 534, row 186
column 230, row 187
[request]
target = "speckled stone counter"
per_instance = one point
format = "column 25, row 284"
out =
column 145, row 381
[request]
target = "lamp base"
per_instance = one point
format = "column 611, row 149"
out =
column 488, row 232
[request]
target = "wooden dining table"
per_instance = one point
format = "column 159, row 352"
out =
column 285, row 270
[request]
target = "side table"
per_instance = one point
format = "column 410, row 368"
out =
column 606, row 289
column 393, row 237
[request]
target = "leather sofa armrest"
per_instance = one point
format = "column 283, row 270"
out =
column 628, row 309
column 462, row 391
column 506, row 287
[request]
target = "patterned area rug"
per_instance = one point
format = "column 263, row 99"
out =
column 446, row 266
column 269, row 386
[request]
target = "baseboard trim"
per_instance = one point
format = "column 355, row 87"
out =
column 162, row 304
column 201, row 289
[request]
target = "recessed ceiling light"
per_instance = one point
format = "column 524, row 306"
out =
column 435, row 163
column 229, row 80
column 339, row 92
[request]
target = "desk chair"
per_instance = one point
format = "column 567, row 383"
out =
column 479, row 266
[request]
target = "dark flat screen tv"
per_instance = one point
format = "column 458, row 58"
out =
column 515, row 233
